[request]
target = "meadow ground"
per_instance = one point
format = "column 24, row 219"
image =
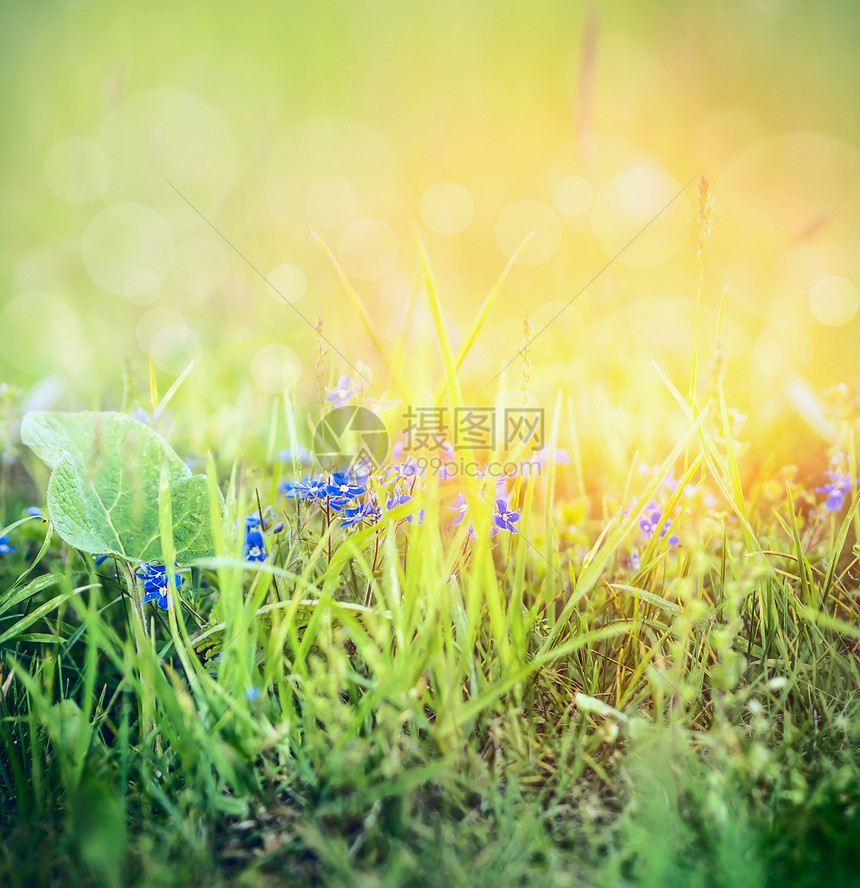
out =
column 396, row 677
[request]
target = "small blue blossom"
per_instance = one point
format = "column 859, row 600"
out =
column 253, row 693
column 33, row 512
column 255, row 547
column 342, row 490
column 505, row 518
column 99, row 560
column 474, row 536
column 367, row 511
column 5, row 547
column 399, row 499
column 307, row 489
column 649, row 523
column 155, row 583
column 634, row 562
column 838, row 488
column 271, row 521
column 460, row 507
column 342, row 393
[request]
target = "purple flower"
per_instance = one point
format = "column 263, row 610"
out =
column 838, row 488
column 474, row 536
column 504, row 518
column 651, row 519
column 367, row 511
column 342, row 393
column 460, row 507
column 399, row 499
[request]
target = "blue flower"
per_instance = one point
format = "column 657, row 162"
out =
column 838, row 488
column 5, row 547
column 155, row 583
column 649, row 523
column 341, row 490
column 255, row 547
column 367, row 511
column 460, row 507
column 99, row 560
column 634, row 562
column 399, row 499
column 306, row 489
column 33, row 512
column 342, row 393
column 271, row 522
column 505, row 518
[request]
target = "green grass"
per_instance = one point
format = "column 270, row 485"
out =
column 694, row 723
column 541, row 711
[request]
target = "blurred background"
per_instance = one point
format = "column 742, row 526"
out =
column 127, row 127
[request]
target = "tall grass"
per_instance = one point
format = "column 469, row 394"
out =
column 403, row 706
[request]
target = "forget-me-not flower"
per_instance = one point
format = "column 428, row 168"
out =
column 342, row 489
column 155, row 583
column 505, row 518
column 367, row 511
column 838, row 488
column 342, row 393
column 460, row 507
column 255, row 547
column 307, row 489
column 651, row 519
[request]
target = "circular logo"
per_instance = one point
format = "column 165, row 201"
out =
column 350, row 437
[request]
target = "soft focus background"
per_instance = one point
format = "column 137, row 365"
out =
column 478, row 122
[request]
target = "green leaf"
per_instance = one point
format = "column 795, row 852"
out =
column 103, row 492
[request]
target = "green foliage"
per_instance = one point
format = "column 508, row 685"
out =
column 398, row 705
column 103, row 495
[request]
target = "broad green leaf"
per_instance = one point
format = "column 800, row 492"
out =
column 103, row 492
